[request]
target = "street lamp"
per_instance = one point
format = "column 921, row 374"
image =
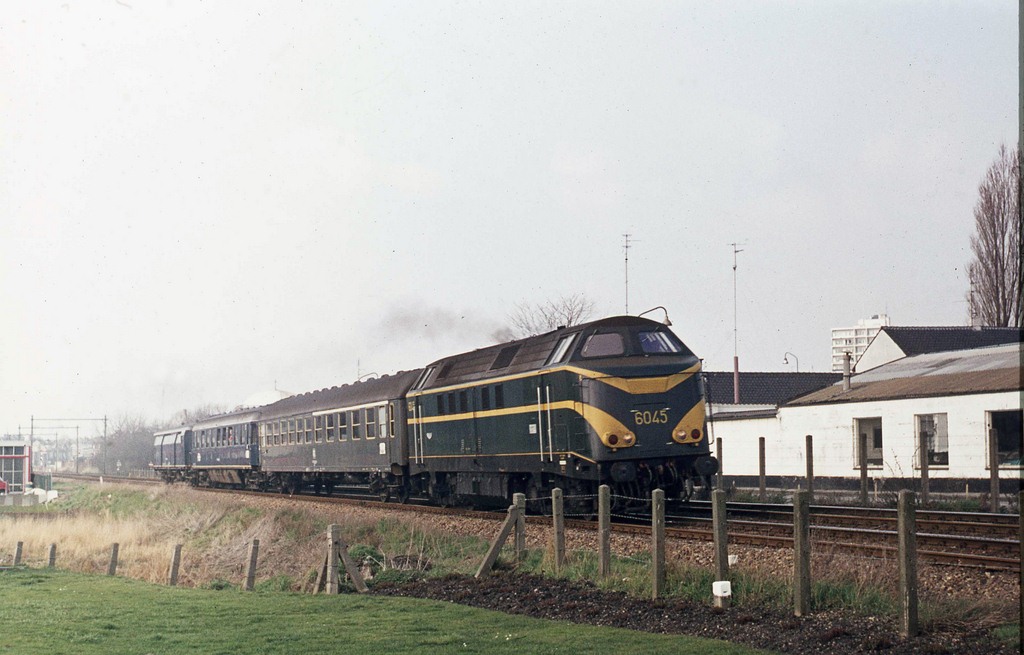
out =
column 785, row 360
column 666, row 322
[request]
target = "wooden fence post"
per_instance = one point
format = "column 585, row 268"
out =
column 907, row 529
column 657, row 543
column 499, row 541
column 250, row 574
column 519, row 500
column 604, row 531
column 112, row 568
column 172, row 575
column 53, row 556
column 801, row 553
column 810, row 465
column 558, row 518
column 761, row 483
column 720, row 530
column 17, row 553
column 332, row 584
column 350, row 566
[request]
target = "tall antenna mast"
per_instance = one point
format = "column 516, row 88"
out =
column 735, row 330
column 625, row 248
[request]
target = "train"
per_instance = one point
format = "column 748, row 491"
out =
column 617, row 401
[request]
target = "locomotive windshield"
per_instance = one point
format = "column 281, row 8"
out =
column 654, row 343
column 607, row 344
column 628, row 343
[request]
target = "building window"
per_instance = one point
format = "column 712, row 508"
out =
column 869, row 429
column 933, row 435
column 1005, row 428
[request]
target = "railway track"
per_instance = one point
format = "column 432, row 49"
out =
column 988, row 541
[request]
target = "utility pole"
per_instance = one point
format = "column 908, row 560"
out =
column 735, row 330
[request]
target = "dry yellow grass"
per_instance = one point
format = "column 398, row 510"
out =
column 215, row 533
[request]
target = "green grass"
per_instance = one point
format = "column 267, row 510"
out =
column 59, row 613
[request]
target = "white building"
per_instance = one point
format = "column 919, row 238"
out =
column 855, row 340
column 957, row 400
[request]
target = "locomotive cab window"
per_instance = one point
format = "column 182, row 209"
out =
column 561, row 349
column 422, row 379
column 607, row 344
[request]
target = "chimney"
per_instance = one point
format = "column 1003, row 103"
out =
column 846, row 371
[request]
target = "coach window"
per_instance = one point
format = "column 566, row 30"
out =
column 318, row 427
column 343, row 426
column 329, row 427
column 463, row 401
column 608, row 344
column 485, row 398
column 371, row 423
column 452, row 408
column 933, row 434
column 291, row 430
column 309, row 429
column 871, row 430
column 391, row 420
column 357, row 432
column 499, row 396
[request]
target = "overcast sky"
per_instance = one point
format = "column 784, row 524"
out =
column 199, row 201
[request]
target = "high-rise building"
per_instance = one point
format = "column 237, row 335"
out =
column 855, row 340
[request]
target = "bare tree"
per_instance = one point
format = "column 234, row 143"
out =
column 535, row 318
column 995, row 273
column 129, row 446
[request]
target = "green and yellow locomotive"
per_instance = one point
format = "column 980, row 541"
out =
column 618, row 401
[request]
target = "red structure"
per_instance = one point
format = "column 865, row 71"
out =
column 15, row 466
